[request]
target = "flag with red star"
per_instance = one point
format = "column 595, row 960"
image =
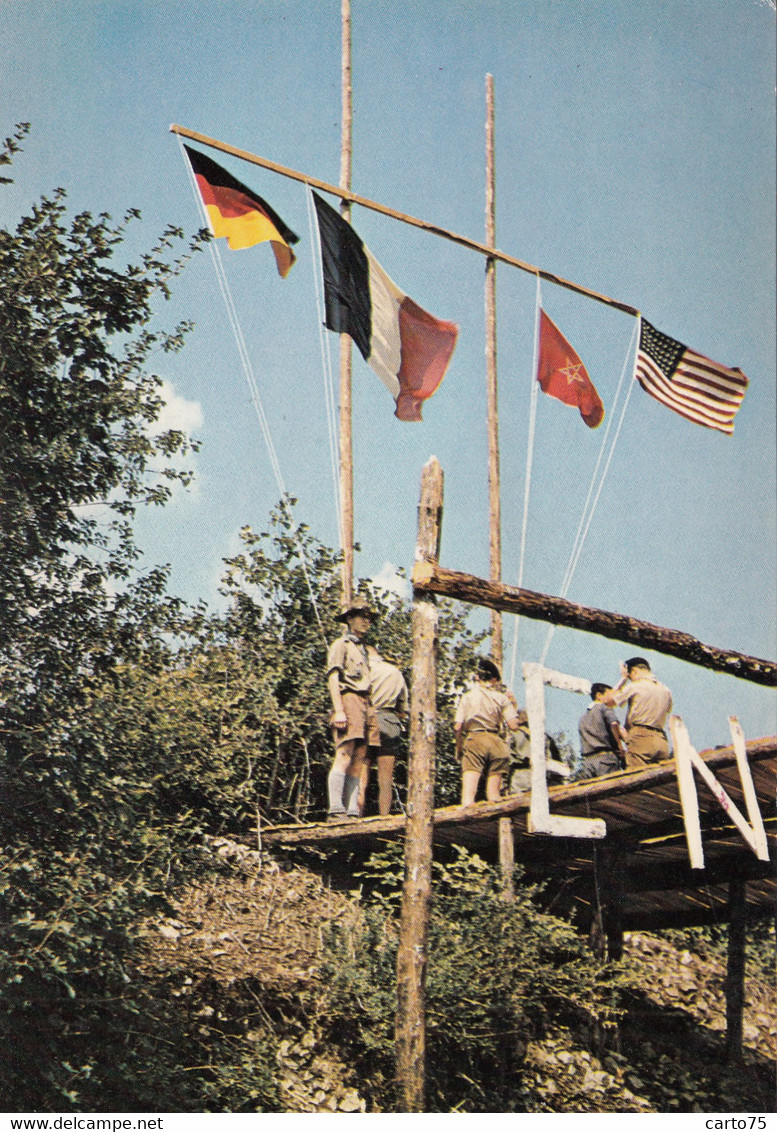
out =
column 562, row 375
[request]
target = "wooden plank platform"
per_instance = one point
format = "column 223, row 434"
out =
column 645, row 841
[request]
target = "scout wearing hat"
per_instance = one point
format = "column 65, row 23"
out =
column 353, row 721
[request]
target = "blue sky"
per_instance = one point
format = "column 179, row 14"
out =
column 634, row 154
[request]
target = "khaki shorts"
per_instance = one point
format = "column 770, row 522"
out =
column 484, row 750
column 362, row 721
column 645, row 746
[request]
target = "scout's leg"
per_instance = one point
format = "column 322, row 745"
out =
column 353, row 777
column 469, row 786
column 494, row 787
column 645, row 748
column 385, row 782
column 364, row 779
column 337, row 776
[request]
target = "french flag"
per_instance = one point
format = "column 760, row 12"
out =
column 408, row 348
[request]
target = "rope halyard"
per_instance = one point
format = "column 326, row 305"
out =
column 330, row 398
column 589, row 507
column 529, row 461
column 253, row 387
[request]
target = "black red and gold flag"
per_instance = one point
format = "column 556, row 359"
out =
column 238, row 213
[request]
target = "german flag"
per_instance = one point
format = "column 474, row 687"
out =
column 239, row 214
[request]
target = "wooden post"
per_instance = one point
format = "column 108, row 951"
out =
column 735, row 968
column 506, row 843
column 494, row 488
column 507, row 858
column 612, row 898
column 410, row 1029
column 346, row 444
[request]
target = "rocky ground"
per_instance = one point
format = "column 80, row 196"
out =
column 242, row 951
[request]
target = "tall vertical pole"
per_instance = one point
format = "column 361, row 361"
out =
column 506, row 842
column 410, row 1029
column 346, row 444
column 494, row 492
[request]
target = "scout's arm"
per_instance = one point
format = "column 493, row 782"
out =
column 339, row 718
column 613, row 697
column 459, row 732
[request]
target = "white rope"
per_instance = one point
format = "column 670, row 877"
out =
column 577, row 545
column 590, row 505
column 576, row 555
column 253, row 387
column 326, row 365
column 527, row 474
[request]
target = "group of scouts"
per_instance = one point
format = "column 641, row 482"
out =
column 370, row 701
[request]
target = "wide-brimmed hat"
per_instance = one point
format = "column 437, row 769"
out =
column 358, row 605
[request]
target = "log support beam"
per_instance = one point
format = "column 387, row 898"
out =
column 432, row 578
column 607, row 926
column 507, row 858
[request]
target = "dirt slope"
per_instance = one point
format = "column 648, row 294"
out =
column 240, row 952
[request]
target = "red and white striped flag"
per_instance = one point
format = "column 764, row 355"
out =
column 697, row 388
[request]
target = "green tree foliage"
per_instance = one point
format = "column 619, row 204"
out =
column 712, row 943
column 83, row 846
column 498, row 974
column 128, row 723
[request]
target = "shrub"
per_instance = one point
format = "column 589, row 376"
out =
column 498, row 973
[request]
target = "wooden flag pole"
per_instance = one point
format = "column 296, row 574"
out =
column 434, row 229
column 494, row 488
column 506, row 842
column 346, row 432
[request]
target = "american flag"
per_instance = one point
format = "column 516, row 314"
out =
column 704, row 391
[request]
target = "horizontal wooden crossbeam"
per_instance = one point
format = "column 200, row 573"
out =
column 430, row 577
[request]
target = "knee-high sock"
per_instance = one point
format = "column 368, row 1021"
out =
column 336, row 788
column 351, row 794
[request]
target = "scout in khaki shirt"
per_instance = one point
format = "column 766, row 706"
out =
column 353, row 718
column 650, row 702
column 481, row 716
column 389, row 698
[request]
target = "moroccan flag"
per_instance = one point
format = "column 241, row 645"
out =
column 238, row 213
column 704, row 391
column 562, row 375
column 408, row 348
